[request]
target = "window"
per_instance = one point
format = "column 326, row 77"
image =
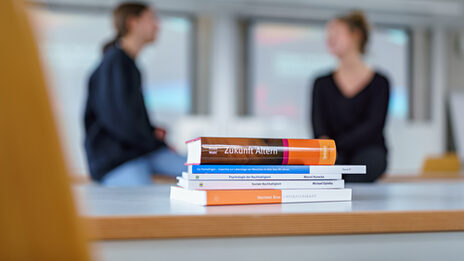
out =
column 286, row 57
column 70, row 45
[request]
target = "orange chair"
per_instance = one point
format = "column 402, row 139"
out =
column 38, row 219
column 446, row 166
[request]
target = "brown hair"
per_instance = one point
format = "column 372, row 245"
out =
column 120, row 15
column 357, row 21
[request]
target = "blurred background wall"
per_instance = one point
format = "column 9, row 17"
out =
column 245, row 67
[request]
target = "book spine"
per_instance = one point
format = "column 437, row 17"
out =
column 263, row 196
column 259, row 184
column 260, row 176
column 237, row 197
column 276, row 169
column 249, row 169
column 293, row 196
column 254, row 151
column 231, row 197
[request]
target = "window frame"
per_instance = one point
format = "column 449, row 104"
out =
column 248, row 93
column 101, row 9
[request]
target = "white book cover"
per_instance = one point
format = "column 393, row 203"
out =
column 234, row 197
column 225, row 176
column 259, row 184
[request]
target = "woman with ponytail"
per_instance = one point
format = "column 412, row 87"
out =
column 350, row 104
column 123, row 148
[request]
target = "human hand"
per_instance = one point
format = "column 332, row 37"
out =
column 160, row 134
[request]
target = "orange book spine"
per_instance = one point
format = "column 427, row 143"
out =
column 236, row 197
column 260, row 196
column 257, row 151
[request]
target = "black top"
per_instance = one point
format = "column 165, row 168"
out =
column 352, row 122
column 117, row 127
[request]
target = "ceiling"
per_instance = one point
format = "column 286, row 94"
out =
column 429, row 12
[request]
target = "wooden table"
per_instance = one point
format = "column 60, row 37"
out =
column 127, row 214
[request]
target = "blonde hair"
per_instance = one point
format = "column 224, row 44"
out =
column 357, row 21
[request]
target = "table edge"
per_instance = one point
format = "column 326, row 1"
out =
column 291, row 224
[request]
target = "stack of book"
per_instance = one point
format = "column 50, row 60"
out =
column 228, row 171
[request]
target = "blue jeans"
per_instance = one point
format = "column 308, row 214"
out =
column 139, row 171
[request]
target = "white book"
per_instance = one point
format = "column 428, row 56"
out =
column 232, row 176
column 277, row 169
column 259, row 184
column 234, row 197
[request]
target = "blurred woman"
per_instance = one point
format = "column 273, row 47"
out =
column 123, row 148
column 350, row 104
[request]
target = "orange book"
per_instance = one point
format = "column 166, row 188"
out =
column 260, row 196
column 258, row 151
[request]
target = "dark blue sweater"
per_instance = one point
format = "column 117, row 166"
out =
column 117, row 126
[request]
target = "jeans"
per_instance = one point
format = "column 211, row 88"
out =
column 139, row 171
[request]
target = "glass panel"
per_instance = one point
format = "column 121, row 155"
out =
column 70, row 45
column 286, row 58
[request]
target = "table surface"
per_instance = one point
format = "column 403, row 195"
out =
column 147, row 212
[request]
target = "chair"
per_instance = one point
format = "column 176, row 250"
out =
column 446, row 166
column 38, row 219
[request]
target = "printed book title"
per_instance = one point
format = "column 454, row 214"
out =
column 251, row 150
